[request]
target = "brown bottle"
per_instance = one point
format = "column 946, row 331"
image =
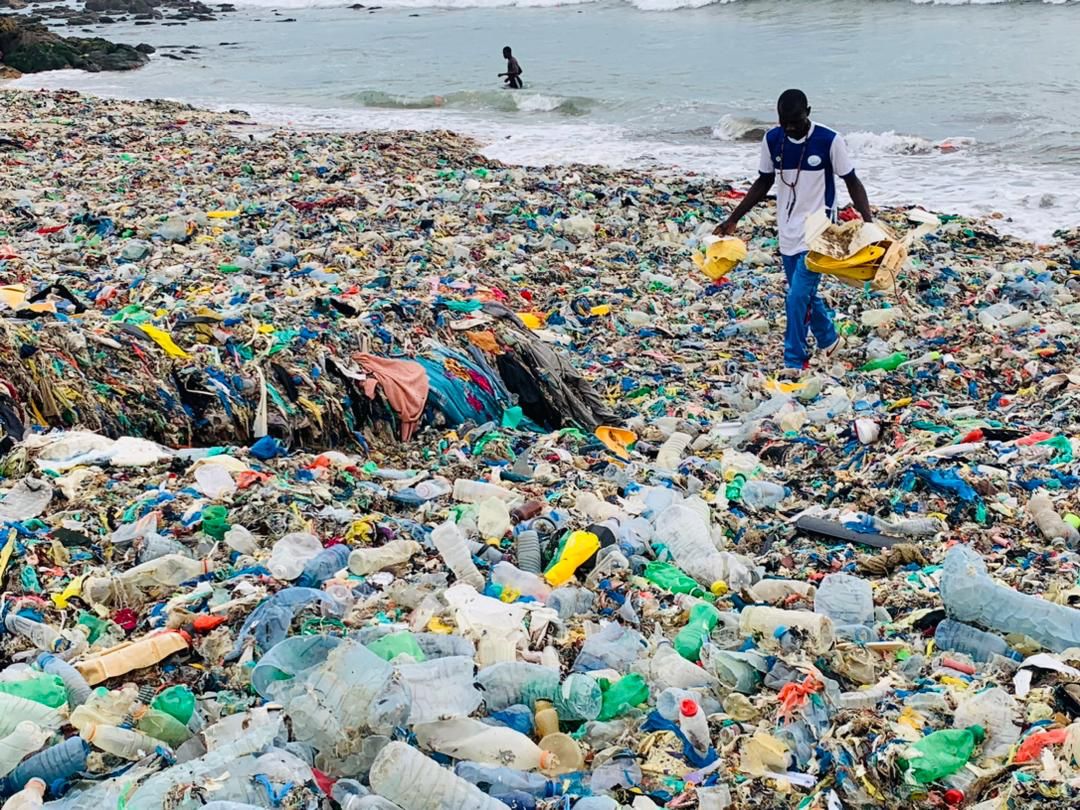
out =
column 527, row 511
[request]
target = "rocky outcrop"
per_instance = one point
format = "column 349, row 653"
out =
column 30, row 47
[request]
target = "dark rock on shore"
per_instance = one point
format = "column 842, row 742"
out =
column 28, row 46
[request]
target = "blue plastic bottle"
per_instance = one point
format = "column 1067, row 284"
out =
column 324, row 565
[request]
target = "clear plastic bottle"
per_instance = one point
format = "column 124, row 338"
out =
column 845, row 599
column 1053, row 528
column 26, row 738
column 290, row 554
column 369, row 559
column 866, row 698
column 758, row 494
column 514, row 682
column 440, row 688
column 121, row 742
column 671, row 451
column 468, row 491
column 450, row 543
column 970, row 595
column 971, row 641
column 413, row 781
column 688, row 539
column 31, row 797
column 497, row 779
column 351, row 795
column 15, row 710
column 510, row 576
column 468, row 738
column 40, row 635
column 764, row 621
column 171, row 569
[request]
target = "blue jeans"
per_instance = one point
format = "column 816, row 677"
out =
column 806, row 311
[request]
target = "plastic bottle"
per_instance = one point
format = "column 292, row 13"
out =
column 527, row 548
column 163, row 727
column 671, row 451
column 414, row 781
column 450, row 543
column 290, row 554
column 468, row 491
column 75, row 685
column 351, row 795
column 440, row 688
column 516, row 682
column 579, row 547
column 866, row 698
column 43, row 688
column 845, row 599
column 40, row 635
column 766, row 621
column 172, row 569
column 693, row 723
column 464, row 738
column 324, row 566
column 509, row 576
column 688, row 641
column 622, row 696
column 14, row 710
column 127, row 657
column 889, row 363
column 688, row 539
column 779, row 590
column 971, row 641
column 55, row 764
column 757, row 494
column 176, row 701
column 25, row 739
column 527, row 511
column 545, row 719
column 121, row 742
column 497, row 779
column 369, row 559
column 941, row 753
column 1053, row 528
column 666, row 668
column 669, row 578
column 971, row 596
column 31, row 797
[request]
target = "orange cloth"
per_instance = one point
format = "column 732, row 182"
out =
column 485, row 341
column 404, row 384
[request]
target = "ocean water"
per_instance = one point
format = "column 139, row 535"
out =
column 969, row 106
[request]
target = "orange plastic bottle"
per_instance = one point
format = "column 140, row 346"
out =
column 132, row 655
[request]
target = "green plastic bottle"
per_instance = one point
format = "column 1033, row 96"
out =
column 164, row 727
column 45, row 689
column 703, row 619
column 621, row 696
column 391, row 646
column 176, row 701
column 673, row 580
column 940, row 754
column 890, row 363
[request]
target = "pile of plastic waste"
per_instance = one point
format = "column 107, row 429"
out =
column 353, row 470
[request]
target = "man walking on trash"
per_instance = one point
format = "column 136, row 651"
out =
column 807, row 157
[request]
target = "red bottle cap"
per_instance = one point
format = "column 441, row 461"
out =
column 688, row 708
column 954, row 797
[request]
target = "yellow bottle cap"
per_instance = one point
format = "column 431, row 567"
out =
column 718, row 588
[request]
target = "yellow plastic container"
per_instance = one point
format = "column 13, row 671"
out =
column 862, row 266
column 579, row 547
column 721, row 257
column 132, row 655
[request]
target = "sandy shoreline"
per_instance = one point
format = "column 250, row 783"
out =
column 386, row 227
